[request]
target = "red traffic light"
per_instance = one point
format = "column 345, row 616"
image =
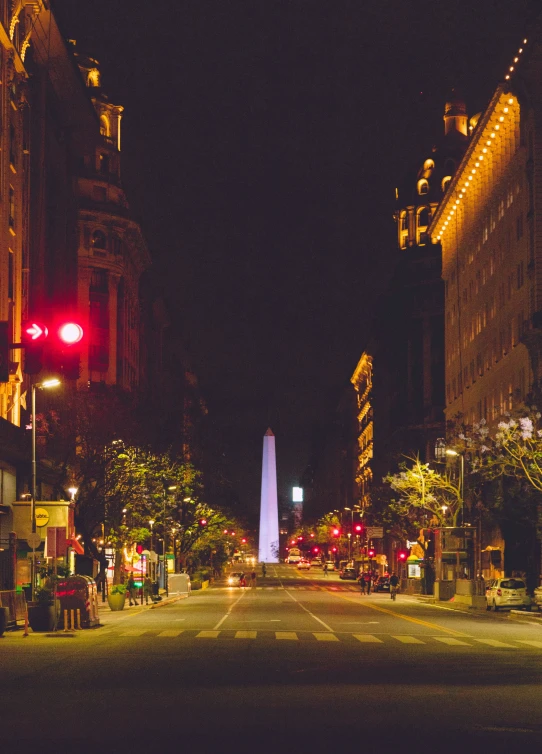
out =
column 244, row 541
column 33, row 331
column 315, row 549
column 402, row 555
column 358, row 528
column 203, row 522
column 371, row 552
column 333, row 549
column 336, row 532
column 70, row 333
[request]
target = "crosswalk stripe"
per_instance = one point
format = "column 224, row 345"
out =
column 321, row 636
column 409, row 640
column 170, row 632
column 495, row 643
column 133, row 632
column 245, row 634
column 367, row 638
column 286, row 635
column 537, row 644
column 207, row 635
column 451, row 641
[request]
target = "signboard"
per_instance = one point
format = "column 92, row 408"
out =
column 42, row 517
column 56, row 542
column 33, row 539
column 375, row 532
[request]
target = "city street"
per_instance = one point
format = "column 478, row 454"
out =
column 301, row 660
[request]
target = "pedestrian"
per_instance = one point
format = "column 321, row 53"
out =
column 368, row 582
column 264, row 570
column 361, row 582
column 253, row 579
column 132, row 590
column 325, row 570
column 147, row 589
column 242, row 580
column 394, row 583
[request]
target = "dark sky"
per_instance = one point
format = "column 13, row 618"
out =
column 262, row 143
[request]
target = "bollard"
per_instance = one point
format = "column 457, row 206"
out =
column 65, row 621
column 78, row 619
column 72, row 620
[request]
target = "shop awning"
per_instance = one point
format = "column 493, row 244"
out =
column 76, row 545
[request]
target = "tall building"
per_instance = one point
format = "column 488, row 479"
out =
column 490, row 231
column 362, row 380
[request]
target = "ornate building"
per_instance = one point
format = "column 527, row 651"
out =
column 362, row 380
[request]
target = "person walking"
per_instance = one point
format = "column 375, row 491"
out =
column 325, row 570
column 394, row 583
column 253, row 579
column 132, row 590
column 368, row 582
column 361, row 582
column 147, row 589
column 264, row 570
column 242, row 580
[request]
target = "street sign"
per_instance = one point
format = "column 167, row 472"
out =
column 375, row 532
column 34, row 540
column 56, row 541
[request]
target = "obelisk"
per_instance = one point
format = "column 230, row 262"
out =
column 269, row 512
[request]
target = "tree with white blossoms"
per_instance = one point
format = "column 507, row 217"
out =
column 515, row 449
column 426, row 491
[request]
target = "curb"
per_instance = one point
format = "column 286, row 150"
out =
column 526, row 615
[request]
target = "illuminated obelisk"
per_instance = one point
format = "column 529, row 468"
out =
column 269, row 513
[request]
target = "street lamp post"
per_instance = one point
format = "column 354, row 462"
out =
column 450, row 452
column 37, row 386
column 164, row 561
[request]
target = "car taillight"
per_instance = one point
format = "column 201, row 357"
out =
column 499, row 592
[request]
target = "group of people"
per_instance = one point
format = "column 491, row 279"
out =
column 366, row 580
column 133, row 590
column 243, row 579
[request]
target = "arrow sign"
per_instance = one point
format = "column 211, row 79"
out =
column 33, row 331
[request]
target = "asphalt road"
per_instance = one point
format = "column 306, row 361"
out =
column 300, row 663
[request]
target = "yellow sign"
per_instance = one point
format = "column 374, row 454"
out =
column 42, row 517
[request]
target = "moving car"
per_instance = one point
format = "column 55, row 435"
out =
column 382, row 584
column 348, row 573
column 233, row 578
column 507, row 593
column 330, row 565
column 304, row 565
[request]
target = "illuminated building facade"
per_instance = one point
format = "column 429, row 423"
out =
column 492, row 255
column 362, row 380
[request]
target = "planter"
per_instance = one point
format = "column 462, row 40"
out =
column 41, row 617
column 116, row 601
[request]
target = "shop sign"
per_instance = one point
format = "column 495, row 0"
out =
column 42, row 517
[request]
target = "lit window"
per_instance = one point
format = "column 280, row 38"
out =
column 423, row 187
column 104, row 126
column 446, row 182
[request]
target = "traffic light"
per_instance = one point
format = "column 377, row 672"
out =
column 244, row 541
column 315, row 549
column 203, row 522
column 333, row 549
column 402, row 555
column 358, row 528
column 33, row 335
column 336, row 532
column 70, row 335
column 371, row 552
column 4, row 352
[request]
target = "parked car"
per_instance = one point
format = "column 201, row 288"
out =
column 537, row 601
column 507, row 593
column 348, row 573
column 304, row 565
column 382, row 584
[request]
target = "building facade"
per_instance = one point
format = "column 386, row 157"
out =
column 362, row 380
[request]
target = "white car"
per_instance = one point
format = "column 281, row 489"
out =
column 234, row 577
column 330, row 565
column 304, row 565
column 507, row 593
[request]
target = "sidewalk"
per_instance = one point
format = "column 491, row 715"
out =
column 107, row 615
column 532, row 615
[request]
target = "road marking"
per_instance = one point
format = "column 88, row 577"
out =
column 408, row 639
column 286, row 635
column 367, row 638
column 207, row 635
column 221, row 621
column 170, row 632
column 133, row 632
column 420, row 622
column 452, row 642
column 309, row 612
column 245, row 634
column 537, row 644
column 321, row 636
column 495, row 643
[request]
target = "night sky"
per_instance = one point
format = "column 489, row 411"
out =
column 262, row 143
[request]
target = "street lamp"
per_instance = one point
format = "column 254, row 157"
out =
column 450, row 452
column 151, row 523
column 46, row 384
column 349, row 535
column 167, row 488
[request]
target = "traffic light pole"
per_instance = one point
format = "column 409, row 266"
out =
column 33, row 501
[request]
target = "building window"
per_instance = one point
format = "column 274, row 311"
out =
column 99, row 240
column 98, row 281
column 403, row 229
column 423, row 187
column 446, row 182
column 103, row 164
column 104, row 126
column 422, row 221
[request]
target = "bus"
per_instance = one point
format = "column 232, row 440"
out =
column 294, row 555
